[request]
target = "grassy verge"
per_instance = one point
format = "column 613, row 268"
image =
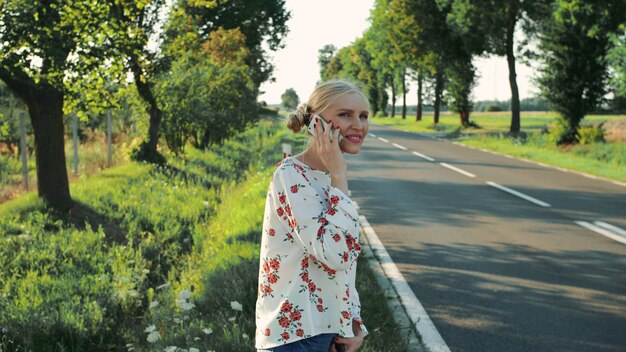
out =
column 152, row 258
column 601, row 159
column 92, row 158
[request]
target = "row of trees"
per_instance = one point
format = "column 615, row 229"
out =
column 580, row 47
column 194, row 67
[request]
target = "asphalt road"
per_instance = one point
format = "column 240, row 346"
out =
column 494, row 271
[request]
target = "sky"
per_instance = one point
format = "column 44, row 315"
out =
column 314, row 24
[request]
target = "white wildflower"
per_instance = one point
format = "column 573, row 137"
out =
column 184, row 305
column 184, row 294
column 197, row 338
column 245, row 336
column 183, row 300
column 177, row 321
column 150, row 328
column 153, row 304
column 153, row 336
column 231, row 319
column 207, row 331
column 170, row 349
column 236, row 306
column 193, row 349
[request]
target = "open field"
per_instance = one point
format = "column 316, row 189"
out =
column 607, row 159
column 488, row 121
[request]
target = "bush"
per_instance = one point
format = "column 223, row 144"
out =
column 493, row 108
column 591, row 134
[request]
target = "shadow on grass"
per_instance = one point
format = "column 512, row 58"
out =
column 82, row 214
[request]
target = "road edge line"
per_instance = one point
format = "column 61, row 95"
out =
column 431, row 340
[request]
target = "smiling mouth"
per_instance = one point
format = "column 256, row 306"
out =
column 355, row 139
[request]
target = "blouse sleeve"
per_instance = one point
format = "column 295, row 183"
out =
column 356, row 310
column 324, row 226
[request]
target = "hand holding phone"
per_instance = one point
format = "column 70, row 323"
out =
column 318, row 119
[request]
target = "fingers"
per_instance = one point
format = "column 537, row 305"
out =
column 329, row 126
column 335, row 139
column 349, row 344
column 318, row 133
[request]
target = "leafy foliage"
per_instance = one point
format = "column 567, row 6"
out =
column 574, row 43
column 208, row 95
column 290, row 99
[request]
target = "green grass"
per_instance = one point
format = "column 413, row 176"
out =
column 488, row 121
column 92, row 158
column 141, row 234
column 601, row 159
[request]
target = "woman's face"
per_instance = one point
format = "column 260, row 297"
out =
column 349, row 113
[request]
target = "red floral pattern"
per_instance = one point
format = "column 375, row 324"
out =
column 308, row 258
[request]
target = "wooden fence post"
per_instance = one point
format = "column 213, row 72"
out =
column 75, row 142
column 109, row 141
column 23, row 149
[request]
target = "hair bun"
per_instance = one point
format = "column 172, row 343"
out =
column 299, row 118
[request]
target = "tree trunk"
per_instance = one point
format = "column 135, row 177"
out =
column 404, row 94
column 510, row 58
column 438, row 90
column 464, row 115
column 45, row 108
column 393, row 97
column 420, row 79
column 156, row 115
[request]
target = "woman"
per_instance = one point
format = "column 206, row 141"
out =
column 307, row 299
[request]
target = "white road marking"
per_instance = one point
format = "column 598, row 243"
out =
column 384, row 140
column 424, row 326
column 423, row 156
column 602, row 231
column 519, row 194
column 457, row 170
column 398, row 146
column 611, row 228
column 371, row 134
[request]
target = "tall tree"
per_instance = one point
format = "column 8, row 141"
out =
column 208, row 93
column 617, row 61
column 46, row 47
column 324, row 56
column 136, row 24
column 574, row 45
column 489, row 26
column 289, row 99
column 262, row 22
column 424, row 36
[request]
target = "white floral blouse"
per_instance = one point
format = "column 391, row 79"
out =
column 309, row 247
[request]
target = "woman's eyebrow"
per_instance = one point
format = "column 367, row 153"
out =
column 351, row 111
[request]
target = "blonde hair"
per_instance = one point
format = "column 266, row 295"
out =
column 324, row 94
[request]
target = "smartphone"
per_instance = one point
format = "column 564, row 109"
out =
column 321, row 121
